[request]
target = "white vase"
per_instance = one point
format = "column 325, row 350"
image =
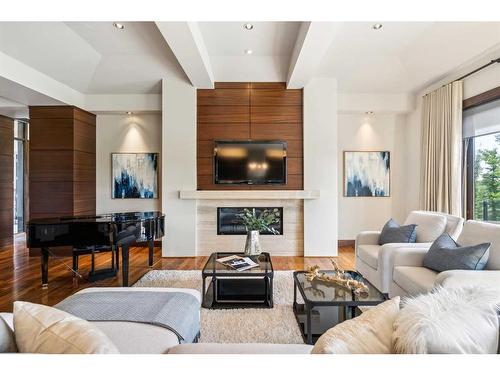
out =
column 252, row 244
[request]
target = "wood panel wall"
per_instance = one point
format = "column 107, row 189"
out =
column 249, row 111
column 62, row 162
column 6, row 180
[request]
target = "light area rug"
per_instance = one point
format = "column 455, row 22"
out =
column 276, row 325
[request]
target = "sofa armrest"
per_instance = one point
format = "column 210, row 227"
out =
column 410, row 257
column 368, row 238
column 457, row 278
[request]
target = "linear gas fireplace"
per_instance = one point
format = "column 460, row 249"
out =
column 229, row 223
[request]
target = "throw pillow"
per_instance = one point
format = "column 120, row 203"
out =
column 445, row 254
column 44, row 329
column 369, row 333
column 448, row 320
column 392, row 232
column 7, row 340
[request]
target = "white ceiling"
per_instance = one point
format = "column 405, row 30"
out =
column 403, row 56
column 96, row 58
column 271, row 44
column 92, row 57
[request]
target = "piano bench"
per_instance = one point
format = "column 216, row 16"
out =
column 95, row 275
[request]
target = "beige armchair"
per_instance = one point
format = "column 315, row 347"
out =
column 375, row 262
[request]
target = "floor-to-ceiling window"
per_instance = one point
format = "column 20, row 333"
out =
column 482, row 140
column 20, row 138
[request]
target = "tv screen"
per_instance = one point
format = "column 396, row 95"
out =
column 250, row 162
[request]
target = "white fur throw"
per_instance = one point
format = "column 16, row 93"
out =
column 369, row 333
column 452, row 320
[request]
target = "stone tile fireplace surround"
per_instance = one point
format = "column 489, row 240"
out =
column 207, row 202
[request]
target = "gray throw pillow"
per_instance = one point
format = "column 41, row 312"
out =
column 445, row 254
column 392, row 232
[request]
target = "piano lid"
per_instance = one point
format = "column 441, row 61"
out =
column 121, row 217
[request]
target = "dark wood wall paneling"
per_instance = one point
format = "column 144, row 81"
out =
column 256, row 111
column 6, row 180
column 62, row 162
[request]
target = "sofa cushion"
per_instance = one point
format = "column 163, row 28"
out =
column 46, row 330
column 138, row 338
column 445, row 254
column 429, row 225
column 475, row 232
column 392, row 232
column 369, row 254
column 448, row 320
column 369, row 333
column 212, row 348
column 454, row 225
column 7, row 340
column 414, row 280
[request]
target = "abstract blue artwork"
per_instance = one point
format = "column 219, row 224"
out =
column 135, row 175
column 367, row 173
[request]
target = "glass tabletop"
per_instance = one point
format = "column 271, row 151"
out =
column 212, row 267
column 322, row 292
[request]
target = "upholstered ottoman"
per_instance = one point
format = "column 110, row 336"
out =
column 140, row 338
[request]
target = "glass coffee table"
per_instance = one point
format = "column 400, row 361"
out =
column 228, row 288
column 327, row 304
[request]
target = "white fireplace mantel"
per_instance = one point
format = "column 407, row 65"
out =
column 249, row 194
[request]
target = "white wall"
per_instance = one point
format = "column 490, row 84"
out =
column 320, row 167
column 358, row 132
column 179, row 165
column 122, row 133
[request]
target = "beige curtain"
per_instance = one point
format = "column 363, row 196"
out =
column 441, row 168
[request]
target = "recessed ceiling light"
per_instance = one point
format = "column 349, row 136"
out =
column 119, row 26
column 130, row 113
column 248, row 51
column 248, row 26
column 377, row 26
column 369, row 112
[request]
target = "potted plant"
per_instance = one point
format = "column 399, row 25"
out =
column 255, row 224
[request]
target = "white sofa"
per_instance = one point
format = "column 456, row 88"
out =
column 131, row 337
column 410, row 277
column 375, row 262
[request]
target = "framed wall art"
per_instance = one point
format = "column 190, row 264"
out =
column 367, row 173
column 134, row 175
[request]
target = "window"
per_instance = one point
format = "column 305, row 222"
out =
column 482, row 143
column 20, row 137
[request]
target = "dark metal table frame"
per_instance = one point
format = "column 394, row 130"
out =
column 267, row 274
column 349, row 307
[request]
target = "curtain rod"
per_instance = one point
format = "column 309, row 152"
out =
column 495, row 61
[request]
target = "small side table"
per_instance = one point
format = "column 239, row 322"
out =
column 327, row 304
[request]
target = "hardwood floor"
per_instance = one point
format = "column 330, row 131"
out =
column 20, row 274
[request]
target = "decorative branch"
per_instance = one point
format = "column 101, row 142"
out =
column 339, row 277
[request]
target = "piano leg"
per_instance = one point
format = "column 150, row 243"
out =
column 45, row 267
column 151, row 252
column 124, row 265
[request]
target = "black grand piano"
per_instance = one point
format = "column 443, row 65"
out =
column 115, row 230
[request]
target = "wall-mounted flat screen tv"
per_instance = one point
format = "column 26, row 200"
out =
column 250, row 162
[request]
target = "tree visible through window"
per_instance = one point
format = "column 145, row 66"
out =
column 487, row 177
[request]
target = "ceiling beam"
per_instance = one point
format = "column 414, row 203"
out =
column 313, row 41
column 186, row 42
